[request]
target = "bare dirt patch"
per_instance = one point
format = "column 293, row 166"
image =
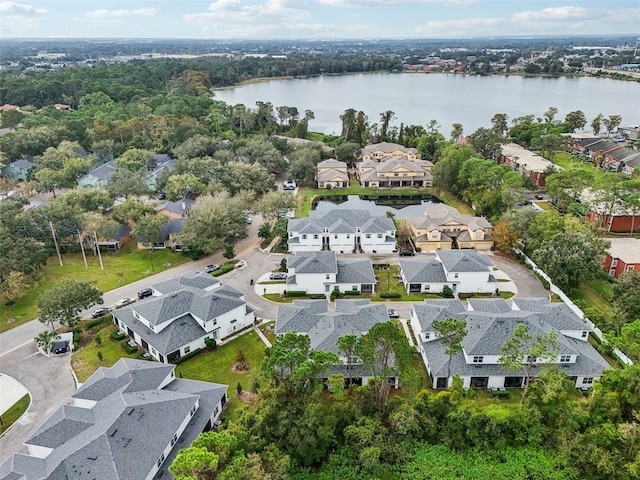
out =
column 247, row 397
column 241, row 368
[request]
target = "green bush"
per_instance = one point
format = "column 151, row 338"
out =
column 390, row 295
column 317, row 296
column 77, row 332
column 447, row 292
column 117, row 335
column 336, row 294
column 226, row 268
column 210, row 343
column 381, row 266
column 462, row 296
column 352, row 292
column 187, row 356
column 96, row 322
column 128, row 349
column 295, row 293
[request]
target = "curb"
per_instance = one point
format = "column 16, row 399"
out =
column 23, row 413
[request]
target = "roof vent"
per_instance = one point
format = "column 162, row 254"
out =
column 113, row 433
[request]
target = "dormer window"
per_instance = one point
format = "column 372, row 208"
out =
column 478, row 359
column 565, row 358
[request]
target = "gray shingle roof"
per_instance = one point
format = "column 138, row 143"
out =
column 123, row 435
column 416, row 271
column 313, row 262
column 179, row 207
column 467, row 260
column 388, row 147
column 313, row 318
column 437, row 214
column 103, row 172
column 188, row 279
column 341, row 221
column 355, row 271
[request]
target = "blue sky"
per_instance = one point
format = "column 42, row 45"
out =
column 315, row 19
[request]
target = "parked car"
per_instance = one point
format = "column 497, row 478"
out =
column 144, row 293
column 289, row 185
column 100, row 312
column 538, row 197
column 406, row 253
column 392, row 313
column 211, row 268
column 278, row 276
column 524, row 203
column 123, row 302
column 161, row 196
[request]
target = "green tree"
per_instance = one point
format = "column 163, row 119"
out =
column 148, row 229
column 14, row 285
column 131, row 210
column 194, row 463
column 550, row 114
column 347, row 152
column 183, row 185
column 122, row 183
column 628, row 340
column 576, row 120
column 274, row 204
column 486, row 142
column 63, row 302
column 451, row 333
column 626, row 296
column 611, row 123
column 569, row 256
column 499, row 122
column 88, row 199
column 260, row 150
column 596, row 124
column 229, row 252
column 347, row 348
column 135, row 160
column 521, row 352
column 45, row 339
column 456, row 131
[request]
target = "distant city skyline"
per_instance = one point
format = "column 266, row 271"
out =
column 315, row 19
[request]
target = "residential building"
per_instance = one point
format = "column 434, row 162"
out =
column 169, row 233
column 343, row 231
column 527, row 163
column 99, row 176
column 322, row 272
column 127, row 422
column 114, row 244
column 162, row 162
column 463, row 271
column 622, row 256
column 442, row 228
column 489, row 324
column 332, row 173
column 177, row 209
column 324, row 328
column 610, row 216
column 630, row 132
column 18, row 170
column 182, row 313
column 388, row 165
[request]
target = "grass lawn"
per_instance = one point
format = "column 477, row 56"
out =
column 568, row 162
column 450, row 199
column 85, row 360
column 268, row 330
column 126, row 266
column 14, row 413
column 544, row 205
column 596, row 294
column 215, row 366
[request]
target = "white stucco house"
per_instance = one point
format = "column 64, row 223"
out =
column 490, row 323
column 126, row 422
column 323, row 327
column 322, row 272
column 342, row 231
column 182, row 312
column 464, row 271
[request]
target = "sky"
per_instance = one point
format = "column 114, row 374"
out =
column 315, row 19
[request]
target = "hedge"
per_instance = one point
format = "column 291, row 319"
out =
column 128, row 349
column 95, row 323
column 186, row 357
column 317, row 296
column 227, row 267
column 117, row 335
column 352, row 292
column 295, row 293
column 390, row 295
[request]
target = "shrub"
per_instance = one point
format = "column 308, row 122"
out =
column 117, row 335
column 336, row 294
column 462, row 296
column 317, row 296
column 98, row 340
column 240, row 357
column 210, row 343
column 239, row 388
column 352, row 292
column 381, row 266
column 96, row 322
column 76, row 334
column 226, row 268
column 128, row 349
column 447, row 292
column 295, row 293
column 283, row 265
column 186, row 357
column 390, row 295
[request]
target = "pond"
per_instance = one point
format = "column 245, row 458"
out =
column 402, row 206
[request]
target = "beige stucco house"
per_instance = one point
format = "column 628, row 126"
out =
column 388, row 165
column 442, row 228
column 332, row 173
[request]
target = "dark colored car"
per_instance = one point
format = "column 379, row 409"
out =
column 278, row 276
column 538, row 197
column 161, row 196
column 406, row 253
column 393, row 314
column 211, row 268
column 144, row 293
column 99, row 312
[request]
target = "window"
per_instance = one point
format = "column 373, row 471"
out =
column 427, row 335
column 233, row 321
column 478, row 234
column 315, row 236
column 587, row 380
column 187, row 349
column 456, row 275
column 174, row 439
column 193, row 410
column 153, row 351
column 427, row 288
column 354, row 288
column 335, row 236
column 326, row 276
column 160, row 460
column 434, row 235
column 379, row 235
column 368, row 235
column 565, row 358
column 348, row 235
column 478, row 359
column 584, row 334
column 304, row 237
column 326, row 287
column 629, row 268
column 395, row 174
column 614, row 262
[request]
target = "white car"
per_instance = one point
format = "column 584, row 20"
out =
column 123, row 302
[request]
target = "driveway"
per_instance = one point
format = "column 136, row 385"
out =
column 527, row 283
column 50, row 383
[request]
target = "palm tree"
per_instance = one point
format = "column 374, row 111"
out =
column 45, row 339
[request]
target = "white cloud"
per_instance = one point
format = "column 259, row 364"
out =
column 386, row 3
column 546, row 21
column 231, row 14
column 19, row 17
column 116, row 14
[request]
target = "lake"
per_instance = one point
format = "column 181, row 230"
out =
column 417, row 98
column 402, row 206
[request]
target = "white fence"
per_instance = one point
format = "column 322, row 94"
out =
column 555, row 289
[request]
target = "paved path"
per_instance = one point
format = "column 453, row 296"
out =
column 527, row 283
column 407, row 332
